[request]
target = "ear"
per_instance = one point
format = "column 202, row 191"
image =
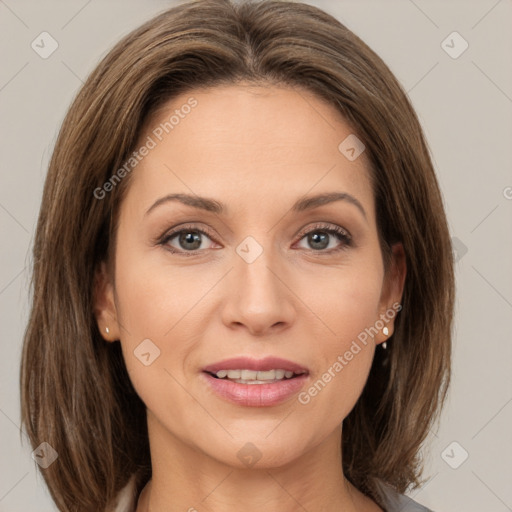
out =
column 104, row 305
column 392, row 291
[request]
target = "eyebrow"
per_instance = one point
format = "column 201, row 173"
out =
column 302, row 204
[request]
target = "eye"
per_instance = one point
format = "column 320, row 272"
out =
column 189, row 240
column 320, row 237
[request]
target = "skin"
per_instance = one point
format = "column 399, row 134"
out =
column 257, row 150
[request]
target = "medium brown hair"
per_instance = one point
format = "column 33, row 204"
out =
column 75, row 391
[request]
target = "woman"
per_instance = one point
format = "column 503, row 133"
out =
column 243, row 282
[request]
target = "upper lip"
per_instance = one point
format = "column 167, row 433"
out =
column 248, row 363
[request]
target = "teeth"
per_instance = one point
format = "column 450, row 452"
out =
column 268, row 375
column 280, row 374
column 247, row 375
column 254, row 377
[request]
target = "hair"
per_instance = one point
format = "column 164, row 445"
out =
column 75, row 390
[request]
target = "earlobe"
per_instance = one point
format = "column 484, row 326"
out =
column 104, row 305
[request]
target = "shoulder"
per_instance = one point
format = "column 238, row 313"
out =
column 395, row 502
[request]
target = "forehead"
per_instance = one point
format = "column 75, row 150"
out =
column 251, row 142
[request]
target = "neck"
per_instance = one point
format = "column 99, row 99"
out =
column 187, row 479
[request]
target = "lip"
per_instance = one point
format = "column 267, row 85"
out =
column 248, row 363
column 256, row 395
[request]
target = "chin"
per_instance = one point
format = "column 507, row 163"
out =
column 260, row 450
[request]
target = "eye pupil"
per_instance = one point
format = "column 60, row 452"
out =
column 319, row 237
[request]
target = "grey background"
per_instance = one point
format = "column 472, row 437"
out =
column 465, row 106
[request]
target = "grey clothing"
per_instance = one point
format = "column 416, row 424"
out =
column 395, row 502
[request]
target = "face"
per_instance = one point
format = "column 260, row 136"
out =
column 263, row 275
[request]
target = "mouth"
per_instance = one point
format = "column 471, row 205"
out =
column 256, row 383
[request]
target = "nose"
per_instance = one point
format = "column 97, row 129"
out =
column 258, row 297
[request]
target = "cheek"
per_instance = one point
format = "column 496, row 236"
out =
column 162, row 318
column 147, row 308
column 337, row 384
column 153, row 298
column 349, row 307
column 348, row 303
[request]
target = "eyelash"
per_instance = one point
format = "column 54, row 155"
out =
column 337, row 231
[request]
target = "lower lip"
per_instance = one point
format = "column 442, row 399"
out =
column 256, row 395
